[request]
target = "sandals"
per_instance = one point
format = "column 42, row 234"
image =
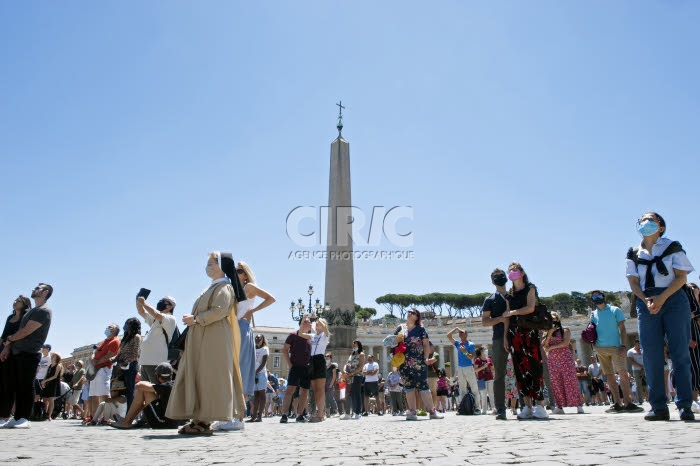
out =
column 196, row 428
column 316, row 419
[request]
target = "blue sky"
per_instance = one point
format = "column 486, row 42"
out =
column 137, row 136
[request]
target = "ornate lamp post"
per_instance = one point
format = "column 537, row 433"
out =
column 317, row 309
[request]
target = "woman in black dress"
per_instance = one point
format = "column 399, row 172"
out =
column 524, row 343
column 51, row 385
column 19, row 308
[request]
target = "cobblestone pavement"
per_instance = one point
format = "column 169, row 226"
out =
column 586, row 439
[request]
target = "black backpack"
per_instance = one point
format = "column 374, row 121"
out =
column 466, row 406
column 173, row 350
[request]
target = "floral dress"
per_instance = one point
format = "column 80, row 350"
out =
column 511, row 383
column 525, row 348
column 414, row 370
column 562, row 373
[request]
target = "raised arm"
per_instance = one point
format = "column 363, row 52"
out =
column 452, row 332
column 146, row 309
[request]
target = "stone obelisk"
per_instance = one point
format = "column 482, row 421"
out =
column 340, row 282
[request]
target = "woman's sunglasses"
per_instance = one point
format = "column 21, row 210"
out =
column 240, row 271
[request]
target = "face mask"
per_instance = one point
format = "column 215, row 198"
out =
column 648, row 227
column 108, row 332
column 500, row 280
column 160, row 307
column 598, row 300
column 514, row 275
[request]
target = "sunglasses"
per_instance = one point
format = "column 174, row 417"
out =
column 240, row 271
column 597, row 296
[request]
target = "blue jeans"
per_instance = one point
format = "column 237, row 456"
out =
column 354, row 401
column 130, row 382
column 583, row 387
column 331, row 404
column 672, row 326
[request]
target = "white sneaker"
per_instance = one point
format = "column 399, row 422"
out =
column 22, row 424
column 345, row 417
column 10, row 423
column 695, row 407
column 436, row 415
column 579, row 410
column 525, row 413
column 411, row 416
column 557, row 411
column 540, row 413
column 231, row 426
column 356, row 417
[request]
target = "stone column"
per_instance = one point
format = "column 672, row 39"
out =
column 385, row 361
column 441, row 352
column 579, row 350
column 340, row 285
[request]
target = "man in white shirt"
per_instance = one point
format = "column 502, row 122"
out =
column 636, row 360
column 41, row 370
column 154, row 347
column 370, row 371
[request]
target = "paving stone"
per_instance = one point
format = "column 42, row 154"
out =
column 595, row 438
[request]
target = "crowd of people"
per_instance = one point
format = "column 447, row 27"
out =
column 158, row 379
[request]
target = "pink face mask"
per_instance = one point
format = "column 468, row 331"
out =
column 514, row 275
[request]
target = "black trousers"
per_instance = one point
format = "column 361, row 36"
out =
column 24, row 367
column 7, row 387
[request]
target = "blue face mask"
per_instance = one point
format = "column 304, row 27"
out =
column 108, row 332
column 648, row 228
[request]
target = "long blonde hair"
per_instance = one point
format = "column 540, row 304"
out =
column 323, row 322
column 248, row 272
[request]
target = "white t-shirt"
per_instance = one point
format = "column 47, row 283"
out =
column 370, row 366
column 44, row 364
column 154, row 349
column 319, row 342
column 259, row 354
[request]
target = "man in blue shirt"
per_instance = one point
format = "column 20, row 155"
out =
column 610, row 325
column 465, row 364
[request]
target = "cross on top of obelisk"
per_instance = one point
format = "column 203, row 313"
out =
column 340, row 118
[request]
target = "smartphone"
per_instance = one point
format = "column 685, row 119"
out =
column 143, row 292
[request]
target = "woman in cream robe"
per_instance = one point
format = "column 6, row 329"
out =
column 208, row 386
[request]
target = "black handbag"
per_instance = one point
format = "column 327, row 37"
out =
column 539, row 319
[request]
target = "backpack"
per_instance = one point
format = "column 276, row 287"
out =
column 173, row 350
column 590, row 333
column 466, row 406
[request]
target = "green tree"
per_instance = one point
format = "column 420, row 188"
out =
column 364, row 313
